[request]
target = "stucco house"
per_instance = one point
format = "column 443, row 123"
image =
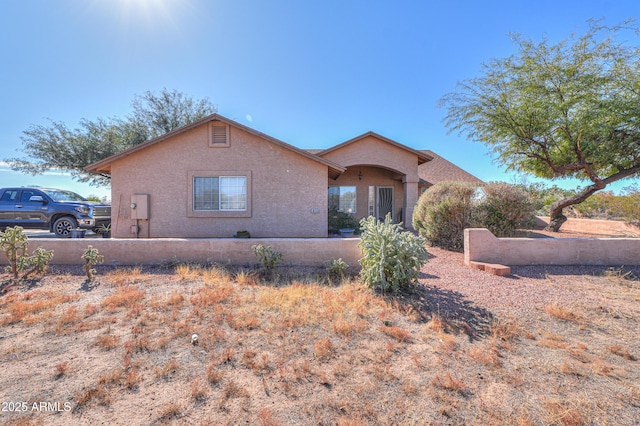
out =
column 215, row 177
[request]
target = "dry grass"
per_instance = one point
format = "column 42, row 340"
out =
column 449, row 383
column 306, row 353
column 562, row 312
column 397, row 333
column 621, row 351
column 107, row 341
column 127, row 296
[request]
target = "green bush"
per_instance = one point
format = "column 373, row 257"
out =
column 607, row 205
column 447, row 208
column 340, row 220
column 502, row 209
column 267, row 256
column 392, row 258
column 443, row 212
column 336, row 269
column 14, row 242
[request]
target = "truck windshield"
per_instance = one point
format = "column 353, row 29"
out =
column 59, row 195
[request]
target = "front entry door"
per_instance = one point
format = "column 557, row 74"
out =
column 384, row 202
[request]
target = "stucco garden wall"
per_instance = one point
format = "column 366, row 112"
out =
column 121, row 251
column 480, row 245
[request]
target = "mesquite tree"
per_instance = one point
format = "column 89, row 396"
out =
column 570, row 109
column 56, row 146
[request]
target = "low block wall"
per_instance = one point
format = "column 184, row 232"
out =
column 296, row 251
column 480, row 245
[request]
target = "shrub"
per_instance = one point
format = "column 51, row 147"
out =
column 14, row 242
column 340, row 220
column 392, row 258
column 503, row 208
column 447, row 208
column 267, row 256
column 336, row 268
column 38, row 261
column 443, row 212
column 91, row 257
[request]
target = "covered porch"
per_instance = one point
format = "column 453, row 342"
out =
column 366, row 190
column 381, row 177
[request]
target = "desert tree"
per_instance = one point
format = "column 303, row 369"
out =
column 56, row 146
column 569, row 109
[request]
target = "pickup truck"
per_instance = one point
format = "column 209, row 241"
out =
column 57, row 210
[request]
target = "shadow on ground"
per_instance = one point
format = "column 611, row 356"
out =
column 459, row 314
column 544, row 271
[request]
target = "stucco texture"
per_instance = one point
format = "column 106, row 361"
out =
column 288, row 192
column 381, row 164
column 480, row 245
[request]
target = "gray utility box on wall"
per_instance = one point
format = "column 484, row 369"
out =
column 140, row 206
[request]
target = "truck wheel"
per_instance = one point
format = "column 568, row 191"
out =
column 63, row 226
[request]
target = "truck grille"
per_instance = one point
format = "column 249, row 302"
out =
column 102, row 211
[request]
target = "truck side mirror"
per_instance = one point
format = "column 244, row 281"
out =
column 37, row 199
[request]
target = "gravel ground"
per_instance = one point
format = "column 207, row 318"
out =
column 459, row 291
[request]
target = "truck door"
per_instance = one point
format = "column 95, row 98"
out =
column 31, row 214
column 7, row 206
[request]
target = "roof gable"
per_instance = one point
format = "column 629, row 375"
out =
column 422, row 156
column 104, row 166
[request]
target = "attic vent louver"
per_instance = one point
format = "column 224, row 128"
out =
column 219, row 134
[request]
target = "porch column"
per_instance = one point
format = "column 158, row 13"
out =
column 410, row 201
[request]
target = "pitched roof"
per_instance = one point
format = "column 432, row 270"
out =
column 104, row 166
column 423, row 156
column 442, row 170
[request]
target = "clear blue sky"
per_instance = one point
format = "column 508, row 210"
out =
column 311, row 73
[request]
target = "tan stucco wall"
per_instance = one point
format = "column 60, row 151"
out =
column 480, row 245
column 372, row 151
column 399, row 162
column 313, row 251
column 371, row 176
column 285, row 188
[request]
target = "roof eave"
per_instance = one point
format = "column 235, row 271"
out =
column 104, row 166
column 422, row 157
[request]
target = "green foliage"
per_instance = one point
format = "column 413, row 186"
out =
column 558, row 110
column 544, row 196
column 268, row 257
column 97, row 199
column 104, row 229
column 392, row 258
column 607, row 205
column 447, row 208
column 336, row 268
column 14, row 242
column 38, row 261
column 503, row 208
column 443, row 212
column 340, row 220
column 91, row 257
column 57, row 146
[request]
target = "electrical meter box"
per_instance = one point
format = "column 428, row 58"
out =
column 140, row 206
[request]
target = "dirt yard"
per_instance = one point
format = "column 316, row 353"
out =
column 544, row 346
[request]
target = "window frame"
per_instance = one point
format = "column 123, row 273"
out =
column 192, row 175
column 355, row 197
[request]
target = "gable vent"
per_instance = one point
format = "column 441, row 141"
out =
column 219, row 135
